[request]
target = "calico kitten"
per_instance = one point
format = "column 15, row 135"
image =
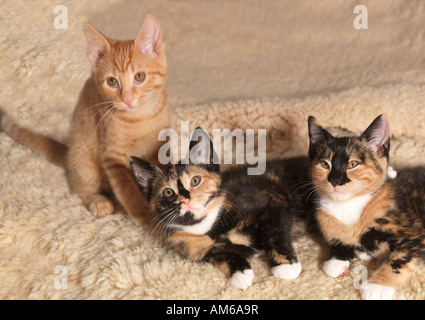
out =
column 225, row 219
column 360, row 212
column 120, row 112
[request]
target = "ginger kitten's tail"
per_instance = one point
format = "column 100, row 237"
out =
column 53, row 150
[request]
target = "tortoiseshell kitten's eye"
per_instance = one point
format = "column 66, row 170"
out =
column 352, row 164
column 195, row 181
column 112, row 82
column 168, row 193
column 325, row 165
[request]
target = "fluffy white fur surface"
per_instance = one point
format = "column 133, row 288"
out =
column 251, row 64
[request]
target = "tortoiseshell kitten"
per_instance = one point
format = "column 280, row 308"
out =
column 362, row 213
column 225, row 219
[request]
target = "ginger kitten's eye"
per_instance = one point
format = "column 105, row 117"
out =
column 352, row 164
column 325, row 165
column 140, row 76
column 195, row 181
column 168, row 193
column 112, row 82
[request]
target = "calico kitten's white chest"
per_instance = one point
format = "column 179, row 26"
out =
column 204, row 225
column 347, row 212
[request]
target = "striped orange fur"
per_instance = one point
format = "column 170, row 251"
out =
column 111, row 122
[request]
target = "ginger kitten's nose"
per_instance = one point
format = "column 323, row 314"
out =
column 128, row 101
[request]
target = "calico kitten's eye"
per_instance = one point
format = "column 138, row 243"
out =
column 195, row 181
column 325, row 165
column 168, row 193
column 140, row 76
column 112, row 82
column 352, row 164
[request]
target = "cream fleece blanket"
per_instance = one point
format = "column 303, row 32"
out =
column 233, row 64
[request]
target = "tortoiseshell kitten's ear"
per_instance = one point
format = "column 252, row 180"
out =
column 201, row 151
column 377, row 136
column 144, row 173
column 318, row 136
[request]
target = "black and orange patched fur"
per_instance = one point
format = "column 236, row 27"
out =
column 227, row 218
column 362, row 212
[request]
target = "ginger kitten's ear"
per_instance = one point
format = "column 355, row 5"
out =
column 317, row 135
column 97, row 43
column 149, row 40
column 377, row 136
column 201, row 150
column 145, row 174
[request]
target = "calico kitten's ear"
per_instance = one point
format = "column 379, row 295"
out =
column 377, row 136
column 149, row 40
column 97, row 43
column 144, row 173
column 318, row 136
column 201, row 150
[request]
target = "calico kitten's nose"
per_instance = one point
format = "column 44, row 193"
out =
column 334, row 182
column 338, row 179
column 183, row 199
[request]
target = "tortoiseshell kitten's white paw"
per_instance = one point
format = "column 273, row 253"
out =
column 373, row 291
column 335, row 267
column 362, row 255
column 287, row 271
column 242, row 280
column 391, row 173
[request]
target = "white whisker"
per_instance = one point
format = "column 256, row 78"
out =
column 101, row 103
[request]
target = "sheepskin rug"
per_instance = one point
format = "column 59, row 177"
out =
column 232, row 64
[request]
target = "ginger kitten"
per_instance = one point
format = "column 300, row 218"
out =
column 119, row 114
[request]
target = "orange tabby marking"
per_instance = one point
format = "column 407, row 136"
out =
column 115, row 118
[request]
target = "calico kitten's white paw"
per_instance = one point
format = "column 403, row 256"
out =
column 335, row 268
column 372, row 291
column 391, row 173
column 364, row 256
column 242, row 280
column 287, row 271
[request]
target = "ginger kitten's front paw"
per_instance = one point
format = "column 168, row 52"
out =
column 242, row 280
column 100, row 206
column 372, row 291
